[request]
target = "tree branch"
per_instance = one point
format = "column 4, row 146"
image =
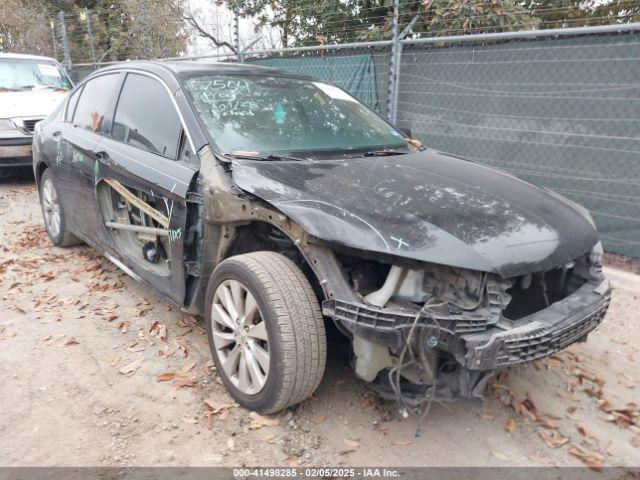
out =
column 191, row 20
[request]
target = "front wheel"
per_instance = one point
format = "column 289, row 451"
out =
column 266, row 331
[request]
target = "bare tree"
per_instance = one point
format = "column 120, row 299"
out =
column 197, row 26
column 24, row 28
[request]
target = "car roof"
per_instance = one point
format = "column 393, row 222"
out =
column 21, row 56
column 179, row 70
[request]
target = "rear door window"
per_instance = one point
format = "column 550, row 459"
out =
column 146, row 117
column 95, row 102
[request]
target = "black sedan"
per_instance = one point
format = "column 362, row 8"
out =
column 270, row 202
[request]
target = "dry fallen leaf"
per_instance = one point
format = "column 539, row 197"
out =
column 208, row 420
column 547, row 423
column 259, row 421
column 219, row 407
column 593, row 460
column 165, row 377
column 185, row 369
column 351, row 442
column 132, row 367
column 511, row 425
column 582, row 431
column 499, row 455
column 552, row 438
column 231, row 444
column 403, row 443
column 6, row 334
column 189, row 420
column 318, row 419
column 181, row 381
column 162, row 333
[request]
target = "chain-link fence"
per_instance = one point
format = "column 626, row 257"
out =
column 558, row 108
column 562, row 113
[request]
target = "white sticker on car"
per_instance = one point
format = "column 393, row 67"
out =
column 334, row 92
column 48, row 70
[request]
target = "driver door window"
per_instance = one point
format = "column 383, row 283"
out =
column 146, row 118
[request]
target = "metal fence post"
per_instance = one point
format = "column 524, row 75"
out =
column 236, row 35
column 53, row 39
column 145, row 29
column 65, row 41
column 392, row 106
column 90, row 35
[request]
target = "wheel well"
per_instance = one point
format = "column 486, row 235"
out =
column 40, row 171
column 263, row 236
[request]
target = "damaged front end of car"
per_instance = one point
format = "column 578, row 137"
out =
column 434, row 331
column 441, row 271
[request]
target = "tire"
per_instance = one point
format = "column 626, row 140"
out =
column 51, row 205
column 295, row 342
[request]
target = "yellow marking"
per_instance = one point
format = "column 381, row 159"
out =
column 138, row 203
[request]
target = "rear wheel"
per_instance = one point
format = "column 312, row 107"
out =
column 53, row 212
column 266, row 331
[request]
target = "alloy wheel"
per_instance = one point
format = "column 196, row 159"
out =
column 51, row 207
column 240, row 337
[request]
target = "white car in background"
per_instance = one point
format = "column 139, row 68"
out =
column 31, row 87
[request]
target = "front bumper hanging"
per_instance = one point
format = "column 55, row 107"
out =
column 542, row 333
column 480, row 343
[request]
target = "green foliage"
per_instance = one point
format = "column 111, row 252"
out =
column 335, row 21
column 307, row 22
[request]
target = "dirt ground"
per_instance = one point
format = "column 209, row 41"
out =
column 98, row 371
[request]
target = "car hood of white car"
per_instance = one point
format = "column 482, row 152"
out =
column 31, row 103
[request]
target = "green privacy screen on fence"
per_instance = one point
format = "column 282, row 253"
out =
column 354, row 73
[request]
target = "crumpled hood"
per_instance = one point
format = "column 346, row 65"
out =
column 35, row 103
column 426, row 206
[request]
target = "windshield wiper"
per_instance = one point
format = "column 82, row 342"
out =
column 387, row 152
column 270, row 157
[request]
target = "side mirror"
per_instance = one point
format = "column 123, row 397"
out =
column 405, row 131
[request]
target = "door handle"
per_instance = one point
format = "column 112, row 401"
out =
column 103, row 157
column 56, row 134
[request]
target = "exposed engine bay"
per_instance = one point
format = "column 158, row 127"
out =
column 440, row 333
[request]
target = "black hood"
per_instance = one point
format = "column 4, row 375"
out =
column 426, row 206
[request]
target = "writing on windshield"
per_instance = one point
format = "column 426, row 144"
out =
column 281, row 114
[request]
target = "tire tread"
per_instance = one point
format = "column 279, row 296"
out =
column 300, row 322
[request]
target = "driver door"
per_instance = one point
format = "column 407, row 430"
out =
column 143, row 176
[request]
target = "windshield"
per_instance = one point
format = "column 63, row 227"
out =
column 279, row 114
column 23, row 74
